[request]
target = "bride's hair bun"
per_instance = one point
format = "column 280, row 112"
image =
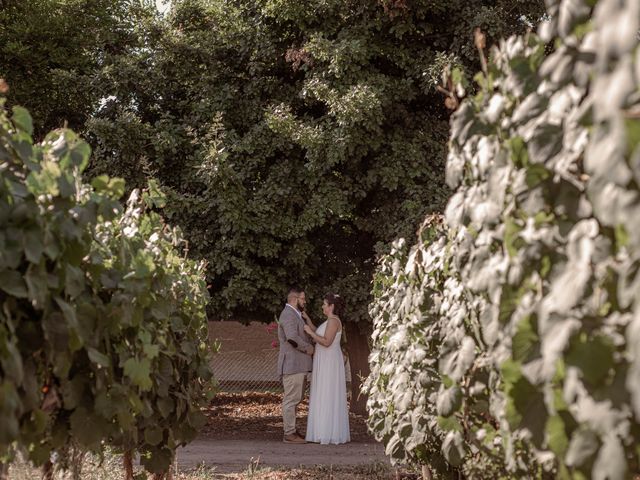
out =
column 337, row 302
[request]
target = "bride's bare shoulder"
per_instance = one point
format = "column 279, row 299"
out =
column 335, row 320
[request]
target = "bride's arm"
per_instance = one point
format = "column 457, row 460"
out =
column 308, row 321
column 329, row 333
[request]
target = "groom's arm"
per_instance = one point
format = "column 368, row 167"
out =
column 289, row 325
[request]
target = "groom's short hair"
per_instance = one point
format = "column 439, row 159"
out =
column 295, row 290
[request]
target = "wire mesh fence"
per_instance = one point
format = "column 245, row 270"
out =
column 239, row 371
column 247, row 360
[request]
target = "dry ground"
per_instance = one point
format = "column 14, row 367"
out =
column 245, row 431
column 257, row 416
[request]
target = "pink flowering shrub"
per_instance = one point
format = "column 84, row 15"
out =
column 273, row 327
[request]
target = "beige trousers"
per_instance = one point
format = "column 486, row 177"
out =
column 293, row 390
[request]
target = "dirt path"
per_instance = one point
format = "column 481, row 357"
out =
column 236, row 455
column 247, row 427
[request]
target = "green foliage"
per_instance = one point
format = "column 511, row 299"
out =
column 525, row 301
column 403, row 388
column 53, row 54
column 296, row 141
column 103, row 327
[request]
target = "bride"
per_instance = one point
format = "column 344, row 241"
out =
column 328, row 413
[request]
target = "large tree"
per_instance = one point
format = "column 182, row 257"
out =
column 297, row 140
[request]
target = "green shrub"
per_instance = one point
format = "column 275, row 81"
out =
column 103, row 334
column 525, row 300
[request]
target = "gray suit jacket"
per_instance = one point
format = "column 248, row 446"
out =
column 293, row 359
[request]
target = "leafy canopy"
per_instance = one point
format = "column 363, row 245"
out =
column 296, row 140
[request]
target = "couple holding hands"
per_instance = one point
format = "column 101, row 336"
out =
column 303, row 349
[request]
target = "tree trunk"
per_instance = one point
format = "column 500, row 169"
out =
column 4, row 471
column 358, row 350
column 426, row 473
column 47, row 471
column 127, row 463
column 77, row 462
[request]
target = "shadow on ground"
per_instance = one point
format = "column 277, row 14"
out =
column 257, row 416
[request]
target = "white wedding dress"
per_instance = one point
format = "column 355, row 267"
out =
column 328, row 413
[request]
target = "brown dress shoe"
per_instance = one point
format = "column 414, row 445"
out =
column 293, row 438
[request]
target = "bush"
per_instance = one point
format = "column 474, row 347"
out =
column 525, row 301
column 103, row 334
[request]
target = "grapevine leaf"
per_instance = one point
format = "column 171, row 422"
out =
column 22, row 119
column 139, row 372
column 13, row 284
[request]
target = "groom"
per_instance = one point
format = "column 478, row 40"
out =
column 294, row 360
